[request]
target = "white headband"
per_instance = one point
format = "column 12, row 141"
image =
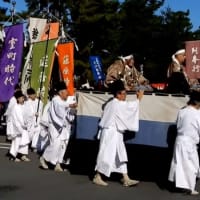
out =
column 181, row 51
column 126, row 57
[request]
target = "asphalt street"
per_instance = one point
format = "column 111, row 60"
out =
column 27, row 181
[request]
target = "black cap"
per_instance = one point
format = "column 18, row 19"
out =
column 18, row 94
column 30, row 91
column 195, row 96
column 117, row 86
column 61, row 86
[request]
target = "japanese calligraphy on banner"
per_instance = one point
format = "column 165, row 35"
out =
column 36, row 29
column 66, row 64
column 27, row 70
column 10, row 60
column 96, row 66
column 42, row 67
column 193, row 59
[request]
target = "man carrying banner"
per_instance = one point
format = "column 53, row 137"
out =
column 61, row 116
column 119, row 116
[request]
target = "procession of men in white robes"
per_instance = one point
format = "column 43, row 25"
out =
column 118, row 116
column 46, row 131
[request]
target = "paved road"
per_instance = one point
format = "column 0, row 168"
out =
column 26, row 181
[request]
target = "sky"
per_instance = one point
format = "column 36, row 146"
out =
column 175, row 5
column 183, row 5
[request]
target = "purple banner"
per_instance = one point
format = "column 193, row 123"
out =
column 10, row 60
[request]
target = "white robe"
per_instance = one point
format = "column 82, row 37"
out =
column 43, row 140
column 32, row 121
column 9, row 128
column 60, row 119
column 185, row 162
column 118, row 116
column 20, row 138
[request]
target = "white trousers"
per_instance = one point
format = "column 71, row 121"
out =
column 17, row 148
column 54, row 153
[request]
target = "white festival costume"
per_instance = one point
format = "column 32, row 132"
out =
column 185, row 162
column 60, row 119
column 20, row 138
column 32, row 121
column 118, row 116
column 9, row 127
column 43, row 140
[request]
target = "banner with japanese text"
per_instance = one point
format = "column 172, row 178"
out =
column 42, row 62
column 10, row 60
column 96, row 66
column 36, row 28
column 193, row 59
column 66, row 64
column 27, row 70
column 40, row 30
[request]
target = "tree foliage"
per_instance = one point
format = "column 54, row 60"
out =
column 112, row 28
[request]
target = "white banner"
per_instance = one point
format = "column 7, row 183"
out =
column 36, row 29
column 157, row 117
column 27, row 70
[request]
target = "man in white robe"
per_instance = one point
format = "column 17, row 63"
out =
column 11, row 104
column 118, row 116
column 61, row 116
column 43, row 140
column 185, row 162
column 19, row 135
column 34, row 108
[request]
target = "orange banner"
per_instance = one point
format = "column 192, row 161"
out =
column 54, row 29
column 66, row 64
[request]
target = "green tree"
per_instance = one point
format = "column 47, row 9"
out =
column 95, row 26
column 131, row 26
column 140, row 26
column 175, row 29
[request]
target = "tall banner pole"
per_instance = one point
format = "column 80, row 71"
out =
column 43, row 68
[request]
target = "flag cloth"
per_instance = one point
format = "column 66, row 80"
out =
column 156, row 119
column 66, row 64
column 52, row 29
column 42, row 67
column 193, row 59
column 96, row 66
column 27, row 70
column 36, row 29
column 10, row 60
